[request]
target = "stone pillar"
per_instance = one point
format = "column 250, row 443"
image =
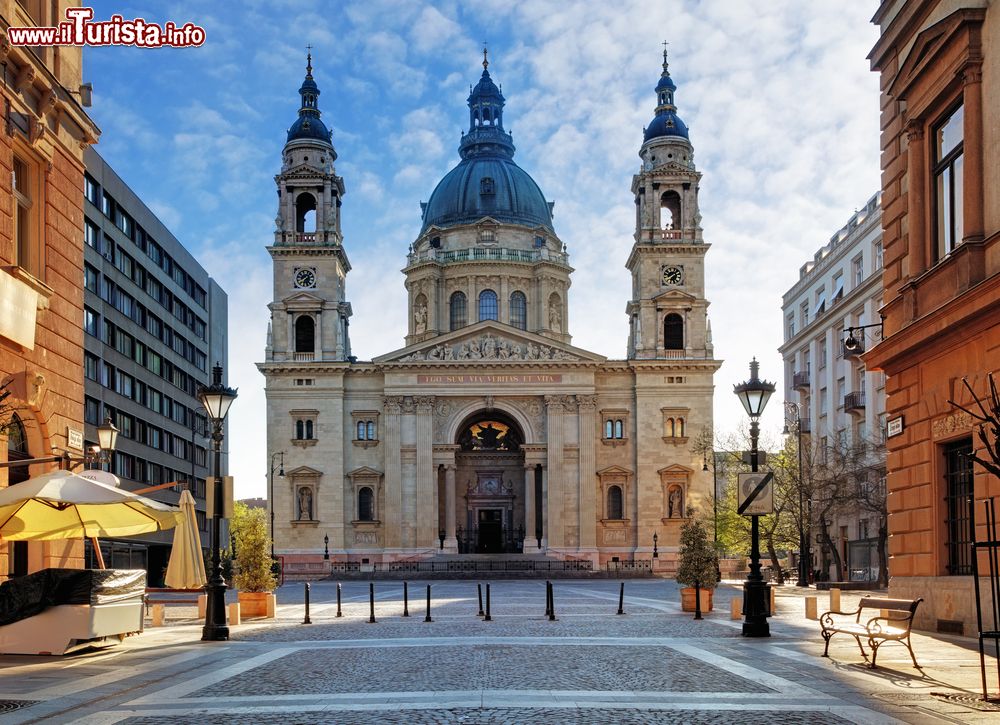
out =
column 588, row 473
column 544, row 545
column 530, row 540
column 393, row 515
column 450, row 542
column 290, row 345
column 340, row 337
column 556, row 477
column 334, row 519
column 972, row 177
column 916, row 199
column 426, row 489
column 319, row 335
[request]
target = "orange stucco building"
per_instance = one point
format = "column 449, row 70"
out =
column 939, row 62
column 41, row 261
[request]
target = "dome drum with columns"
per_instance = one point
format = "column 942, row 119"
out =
column 488, row 432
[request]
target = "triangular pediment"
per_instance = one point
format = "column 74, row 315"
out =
column 614, row 470
column 675, row 295
column 675, row 168
column 303, row 300
column 489, row 342
column 303, row 471
column 676, row 469
column 364, row 472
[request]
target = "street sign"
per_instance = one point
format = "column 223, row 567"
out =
column 761, row 458
column 756, row 494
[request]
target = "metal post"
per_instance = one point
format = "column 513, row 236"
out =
column 371, row 602
column 552, row 603
column 548, row 601
column 306, row 619
column 487, row 618
column 621, row 599
column 406, row 601
column 339, row 612
column 756, row 607
column 697, row 600
column 215, row 628
column 428, row 617
column 479, row 587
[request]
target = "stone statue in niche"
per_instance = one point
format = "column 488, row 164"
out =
column 675, row 504
column 420, row 319
column 555, row 316
column 305, row 504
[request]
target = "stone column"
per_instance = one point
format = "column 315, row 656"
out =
column 340, row 336
column 319, row 335
column 972, row 177
column 530, row 540
column 916, row 199
column 588, row 473
column 450, row 542
column 556, row 478
column 544, row 544
column 426, row 489
column 290, row 345
column 393, row 514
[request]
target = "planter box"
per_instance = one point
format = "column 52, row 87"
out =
column 253, row 604
column 687, row 599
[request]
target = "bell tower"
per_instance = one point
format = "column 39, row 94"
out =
column 668, row 312
column 309, row 311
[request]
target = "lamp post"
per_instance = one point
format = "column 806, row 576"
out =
column 270, row 490
column 793, row 416
column 754, row 394
column 715, row 506
column 216, row 398
column 326, row 547
column 656, row 552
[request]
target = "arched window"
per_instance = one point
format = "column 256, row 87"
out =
column 519, row 311
column 670, row 428
column 609, row 429
column 17, row 450
column 366, row 504
column 361, row 430
column 458, row 310
column 670, row 210
column 309, row 430
column 299, row 430
column 488, row 305
column 305, row 334
column 679, row 428
column 673, row 332
column 305, row 213
column 619, row 432
column 615, row 502
column 371, row 430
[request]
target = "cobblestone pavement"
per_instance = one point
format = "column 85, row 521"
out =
column 653, row 664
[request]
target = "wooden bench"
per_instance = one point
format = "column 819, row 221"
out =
column 165, row 595
column 891, row 624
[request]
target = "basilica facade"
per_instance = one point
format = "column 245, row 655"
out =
column 489, row 432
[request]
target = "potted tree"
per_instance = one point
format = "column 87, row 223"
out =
column 252, row 561
column 697, row 567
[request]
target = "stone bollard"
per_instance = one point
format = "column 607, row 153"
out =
column 272, row 605
column 159, row 615
column 234, row 614
column 736, row 608
column 202, row 605
column 811, row 608
column 834, row 600
column 773, row 610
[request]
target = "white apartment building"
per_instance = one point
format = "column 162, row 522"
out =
column 838, row 403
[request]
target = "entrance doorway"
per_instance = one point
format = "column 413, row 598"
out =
column 490, row 532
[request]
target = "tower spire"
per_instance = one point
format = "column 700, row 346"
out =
column 666, row 67
column 486, row 61
column 309, row 62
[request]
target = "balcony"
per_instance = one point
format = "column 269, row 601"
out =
column 303, row 356
column 487, row 254
column 854, row 402
column 805, row 426
column 800, row 380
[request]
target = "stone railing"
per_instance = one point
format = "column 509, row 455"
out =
column 486, row 254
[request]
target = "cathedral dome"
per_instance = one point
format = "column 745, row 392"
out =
column 666, row 122
column 487, row 182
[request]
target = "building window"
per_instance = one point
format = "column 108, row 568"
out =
column 858, row 269
column 838, row 288
column 821, row 353
column 877, row 256
column 673, row 332
column 458, row 311
column 28, row 251
column 487, row 235
column 108, row 205
column 820, row 302
column 615, row 508
column 519, row 311
column 958, row 490
column 90, row 321
column 790, row 324
column 486, row 185
column 91, row 190
column 90, row 278
column 614, row 429
column 305, row 428
column 305, row 334
column 365, row 427
column 366, row 504
column 948, row 150
column 488, row 305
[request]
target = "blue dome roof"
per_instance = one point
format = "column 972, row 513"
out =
column 666, row 84
column 508, row 195
column 308, row 125
column 665, row 123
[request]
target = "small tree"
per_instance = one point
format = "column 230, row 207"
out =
column 252, row 563
column 698, row 560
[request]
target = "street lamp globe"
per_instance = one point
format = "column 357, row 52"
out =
column 217, row 397
column 107, row 435
column 754, row 393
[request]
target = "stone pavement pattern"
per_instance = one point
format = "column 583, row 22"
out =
column 654, row 664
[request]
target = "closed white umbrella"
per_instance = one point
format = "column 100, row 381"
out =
column 186, row 568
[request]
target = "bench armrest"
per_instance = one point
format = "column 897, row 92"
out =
column 904, row 621
column 831, row 619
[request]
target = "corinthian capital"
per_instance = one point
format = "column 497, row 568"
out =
column 393, row 404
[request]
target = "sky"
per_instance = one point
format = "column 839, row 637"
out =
column 779, row 99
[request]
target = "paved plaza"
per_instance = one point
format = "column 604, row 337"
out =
column 654, row 664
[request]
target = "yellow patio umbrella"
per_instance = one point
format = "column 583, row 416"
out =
column 186, row 568
column 65, row 505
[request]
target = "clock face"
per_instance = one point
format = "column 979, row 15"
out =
column 673, row 275
column 305, row 278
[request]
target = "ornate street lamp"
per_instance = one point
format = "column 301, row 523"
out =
column 270, row 490
column 216, row 398
column 656, row 552
column 326, row 547
column 793, row 416
column 754, row 394
column 107, row 436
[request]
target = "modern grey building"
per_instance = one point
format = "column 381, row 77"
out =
column 155, row 322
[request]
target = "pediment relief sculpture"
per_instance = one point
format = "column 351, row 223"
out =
column 488, row 347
